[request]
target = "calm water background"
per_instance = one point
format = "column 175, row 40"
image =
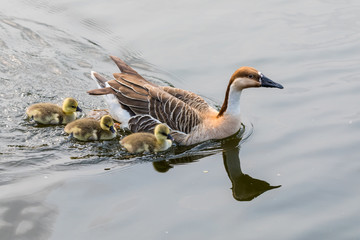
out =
column 304, row 137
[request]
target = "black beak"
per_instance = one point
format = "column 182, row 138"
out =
column 170, row 137
column 112, row 129
column 267, row 82
column 78, row 109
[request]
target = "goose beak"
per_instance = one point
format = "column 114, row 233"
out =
column 112, row 129
column 170, row 137
column 267, row 82
column 78, row 109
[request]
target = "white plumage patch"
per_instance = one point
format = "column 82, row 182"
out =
column 234, row 102
column 261, row 75
column 115, row 109
column 94, row 135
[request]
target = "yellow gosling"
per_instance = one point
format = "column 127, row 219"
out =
column 161, row 140
column 87, row 129
column 49, row 113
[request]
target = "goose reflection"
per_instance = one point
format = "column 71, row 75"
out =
column 244, row 187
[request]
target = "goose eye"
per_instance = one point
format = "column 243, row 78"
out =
column 73, row 106
column 107, row 126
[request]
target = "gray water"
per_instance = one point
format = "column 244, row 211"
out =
column 292, row 172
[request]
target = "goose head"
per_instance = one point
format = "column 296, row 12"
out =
column 70, row 105
column 244, row 77
column 107, row 123
column 162, row 133
column 247, row 77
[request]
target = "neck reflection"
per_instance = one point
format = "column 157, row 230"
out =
column 244, row 187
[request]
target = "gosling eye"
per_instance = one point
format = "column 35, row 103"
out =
column 73, row 106
column 107, row 126
column 164, row 134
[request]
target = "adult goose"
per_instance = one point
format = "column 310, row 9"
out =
column 140, row 105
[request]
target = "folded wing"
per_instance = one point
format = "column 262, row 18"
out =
column 149, row 104
column 148, row 99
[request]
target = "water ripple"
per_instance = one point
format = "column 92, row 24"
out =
column 47, row 66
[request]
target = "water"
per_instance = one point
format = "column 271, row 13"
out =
column 290, row 174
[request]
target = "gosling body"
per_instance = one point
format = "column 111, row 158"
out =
column 88, row 129
column 49, row 113
column 141, row 142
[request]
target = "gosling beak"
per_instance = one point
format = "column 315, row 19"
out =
column 78, row 109
column 112, row 129
column 170, row 137
column 267, row 82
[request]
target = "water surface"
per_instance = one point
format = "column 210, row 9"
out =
column 290, row 173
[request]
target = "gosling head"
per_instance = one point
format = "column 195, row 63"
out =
column 162, row 132
column 247, row 77
column 70, row 105
column 107, row 123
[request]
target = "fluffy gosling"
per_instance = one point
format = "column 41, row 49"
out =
column 87, row 129
column 161, row 140
column 49, row 113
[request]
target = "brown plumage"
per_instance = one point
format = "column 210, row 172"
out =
column 190, row 119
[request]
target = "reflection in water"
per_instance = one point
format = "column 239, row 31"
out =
column 164, row 165
column 60, row 64
column 63, row 62
column 244, row 187
column 26, row 219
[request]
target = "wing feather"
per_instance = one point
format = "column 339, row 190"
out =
column 190, row 98
column 143, row 123
column 146, row 123
column 177, row 118
column 123, row 66
column 181, row 110
column 131, row 87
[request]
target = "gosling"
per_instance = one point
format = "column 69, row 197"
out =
column 49, row 113
column 88, row 129
column 161, row 140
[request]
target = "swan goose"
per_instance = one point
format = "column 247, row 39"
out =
column 140, row 105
